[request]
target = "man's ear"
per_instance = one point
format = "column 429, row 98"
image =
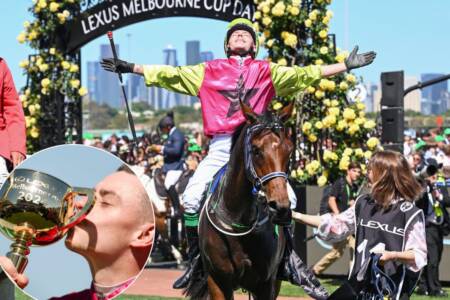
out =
column 144, row 236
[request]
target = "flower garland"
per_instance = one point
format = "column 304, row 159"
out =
column 50, row 70
column 332, row 132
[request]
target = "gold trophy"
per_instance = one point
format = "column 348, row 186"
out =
column 39, row 209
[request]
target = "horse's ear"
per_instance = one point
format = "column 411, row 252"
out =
column 286, row 112
column 249, row 114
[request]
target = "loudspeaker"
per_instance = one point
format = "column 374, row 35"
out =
column 392, row 88
column 392, row 125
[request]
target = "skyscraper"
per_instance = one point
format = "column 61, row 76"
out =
column 108, row 84
column 206, row 56
column 169, row 99
column 435, row 95
column 93, row 68
column 192, row 52
column 412, row 100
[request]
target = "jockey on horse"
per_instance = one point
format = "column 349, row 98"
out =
column 173, row 152
column 214, row 82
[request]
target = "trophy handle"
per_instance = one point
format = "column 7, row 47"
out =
column 77, row 218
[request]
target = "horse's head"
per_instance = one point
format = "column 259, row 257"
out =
column 267, row 150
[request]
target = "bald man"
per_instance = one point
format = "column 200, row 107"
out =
column 115, row 237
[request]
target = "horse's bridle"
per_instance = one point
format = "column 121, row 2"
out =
column 257, row 181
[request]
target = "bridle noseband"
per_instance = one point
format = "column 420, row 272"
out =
column 257, row 181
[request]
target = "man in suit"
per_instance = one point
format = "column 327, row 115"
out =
column 12, row 124
column 173, row 151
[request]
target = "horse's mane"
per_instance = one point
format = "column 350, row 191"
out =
column 266, row 119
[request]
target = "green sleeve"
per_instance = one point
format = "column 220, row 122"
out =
column 289, row 81
column 185, row 79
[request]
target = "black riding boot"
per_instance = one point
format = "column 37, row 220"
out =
column 294, row 270
column 193, row 255
column 172, row 192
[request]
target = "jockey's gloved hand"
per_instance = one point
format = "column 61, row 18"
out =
column 117, row 65
column 355, row 60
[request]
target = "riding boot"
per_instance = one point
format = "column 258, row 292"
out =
column 293, row 269
column 193, row 252
column 172, row 192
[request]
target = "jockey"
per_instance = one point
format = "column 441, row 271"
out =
column 173, row 151
column 216, row 84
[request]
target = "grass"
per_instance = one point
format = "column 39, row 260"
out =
column 287, row 290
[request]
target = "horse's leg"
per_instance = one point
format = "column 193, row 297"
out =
column 217, row 292
column 267, row 290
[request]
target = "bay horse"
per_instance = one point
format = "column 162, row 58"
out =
column 240, row 244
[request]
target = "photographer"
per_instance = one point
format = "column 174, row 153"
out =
column 433, row 203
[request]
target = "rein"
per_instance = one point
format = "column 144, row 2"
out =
column 257, row 182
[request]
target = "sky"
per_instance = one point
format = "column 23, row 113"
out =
column 67, row 271
column 409, row 35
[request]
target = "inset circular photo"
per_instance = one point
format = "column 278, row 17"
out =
column 75, row 223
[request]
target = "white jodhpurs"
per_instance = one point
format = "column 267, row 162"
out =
column 218, row 156
column 172, row 177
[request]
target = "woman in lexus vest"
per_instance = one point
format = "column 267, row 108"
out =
column 386, row 222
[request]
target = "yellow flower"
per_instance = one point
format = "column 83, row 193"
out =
column 318, row 125
column 313, row 15
column 75, row 83
column 24, row 63
column 354, row 128
column 341, row 57
column 21, row 37
column 308, row 23
column 322, row 180
column 323, row 50
column 278, row 9
column 368, row 154
column 277, row 105
column 323, row 34
column 257, row 15
column 52, row 51
column 65, row 65
column 82, row 91
column 350, row 78
column 327, row 102
column 359, row 152
column 31, row 109
column 291, row 40
column 319, row 94
column 66, row 13
column 32, row 35
column 42, row 4
column 312, row 138
column 318, row 62
column 334, row 111
column 326, row 20
column 266, row 33
column 282, row 62
column 44, row 91
column 266, row 21
column 310, row 89
column 34, row 132
column 296, row 2
column 269, row 43
column 43, row 67
column 294, row 11
column 54, row 6
column 359, row 121
column 343, row 163
column 349, row 114
column 341, row 125
column 329, row 121
column 61, row 18
column 348, row 152
column 361, row 114
column 306, row 127
column 329, row 14
column 343, row 85
column 26, row 24
column 294, row 174
column 300, row 173
column 334, row 102
column 372, row 142
column 45, row 82
column 369, row 124
column 265, row 9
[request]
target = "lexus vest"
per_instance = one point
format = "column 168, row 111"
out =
column 225, row 82
column 375, row 228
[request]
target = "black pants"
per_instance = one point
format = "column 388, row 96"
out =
column 429, row 280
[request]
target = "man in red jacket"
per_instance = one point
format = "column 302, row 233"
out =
column 12, row 124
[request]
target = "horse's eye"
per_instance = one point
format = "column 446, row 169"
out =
column 256, row 151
